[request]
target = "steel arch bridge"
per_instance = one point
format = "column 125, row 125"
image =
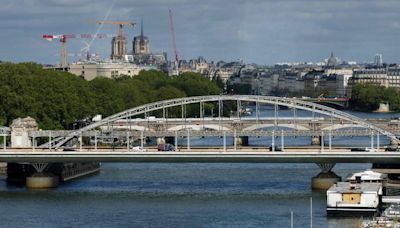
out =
column 276, row 101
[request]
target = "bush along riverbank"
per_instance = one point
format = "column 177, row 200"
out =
column 369, row 98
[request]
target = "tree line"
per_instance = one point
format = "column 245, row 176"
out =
column 58, row 99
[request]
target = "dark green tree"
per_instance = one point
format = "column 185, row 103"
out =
column 59, row 99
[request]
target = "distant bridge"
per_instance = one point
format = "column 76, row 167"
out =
column 340, row 102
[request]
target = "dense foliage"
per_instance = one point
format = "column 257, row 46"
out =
column 58, row 99
column 367, row 97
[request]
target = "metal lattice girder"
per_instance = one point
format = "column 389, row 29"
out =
column 39, row 167
column 281, row 101
column 326, row 167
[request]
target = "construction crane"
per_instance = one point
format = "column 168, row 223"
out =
column 171, row 23
column 63, row 40
column 120, row 39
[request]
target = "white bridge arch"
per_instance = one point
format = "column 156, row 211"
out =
column 198, row 127
column 277, row 101
column 342, row 126
column 291, row 126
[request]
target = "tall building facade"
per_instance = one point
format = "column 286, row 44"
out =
column 378, row 61
column 118, row 48
column 376, row 77
column 141, row 44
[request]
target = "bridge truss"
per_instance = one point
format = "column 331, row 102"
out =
column 294, row 104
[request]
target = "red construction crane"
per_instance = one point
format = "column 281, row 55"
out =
column 63, row 39
column 171, row 23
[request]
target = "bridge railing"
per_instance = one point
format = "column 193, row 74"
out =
column 206, row 133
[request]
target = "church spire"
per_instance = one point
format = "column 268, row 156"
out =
column 141, row 27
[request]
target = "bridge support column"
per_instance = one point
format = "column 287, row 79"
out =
column 4, row 142
column 41, row 179
column 326, row 178
column 242, row 140
column 234, row 140
column 224, row 141
column 176, row 141
column 188, row 140
column 141, row 139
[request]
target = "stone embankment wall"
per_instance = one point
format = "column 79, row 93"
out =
column 383, row 108
column 3, row 168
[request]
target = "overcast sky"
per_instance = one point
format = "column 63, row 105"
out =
column 259, row 31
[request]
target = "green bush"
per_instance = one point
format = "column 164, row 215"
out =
column 367, row 97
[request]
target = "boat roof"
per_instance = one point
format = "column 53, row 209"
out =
column 363, row 187
column 368, row 175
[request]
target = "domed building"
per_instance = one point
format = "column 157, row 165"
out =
column 333, row 61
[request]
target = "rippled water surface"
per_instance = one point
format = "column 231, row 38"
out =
column 177, row 195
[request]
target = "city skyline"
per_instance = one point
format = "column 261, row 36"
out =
column 263, row 32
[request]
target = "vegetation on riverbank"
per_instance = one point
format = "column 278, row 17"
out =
column 58, row 99
column 367, row 97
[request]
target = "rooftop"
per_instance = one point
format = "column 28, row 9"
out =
column 344, row 187
column 368, row 175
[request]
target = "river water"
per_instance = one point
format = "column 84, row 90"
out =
column 182, row 195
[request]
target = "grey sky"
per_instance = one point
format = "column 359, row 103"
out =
column 260, row 31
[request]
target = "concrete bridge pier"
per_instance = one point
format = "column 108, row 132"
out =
column 242, row 140
column 41, row 179
column 326, row 178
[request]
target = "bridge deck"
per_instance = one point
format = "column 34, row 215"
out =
column 202, row 155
